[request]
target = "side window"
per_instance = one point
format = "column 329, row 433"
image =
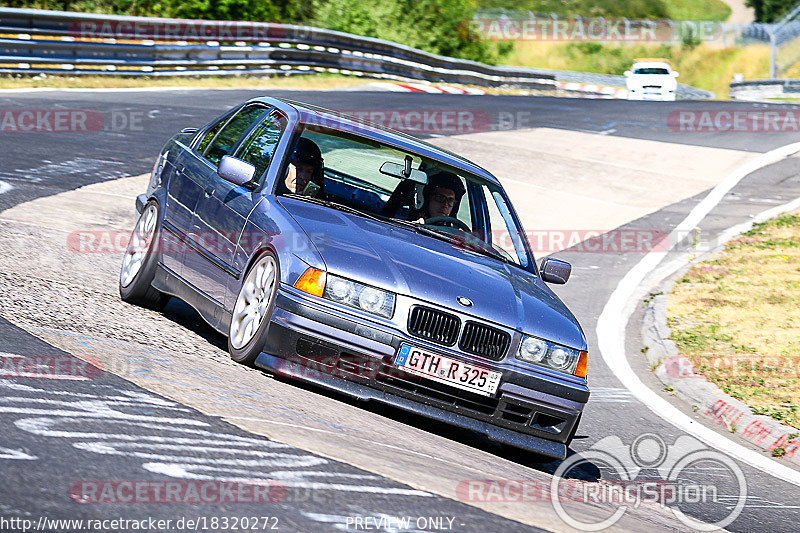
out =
column 233, row 130
column 210, row 134
column 259, row 147
column 502, row 239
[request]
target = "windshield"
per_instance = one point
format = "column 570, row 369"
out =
column 651, row 70
column 348, row 172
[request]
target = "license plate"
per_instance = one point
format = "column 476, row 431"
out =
column 445, row 370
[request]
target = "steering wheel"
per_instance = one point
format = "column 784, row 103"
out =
column 450, row 222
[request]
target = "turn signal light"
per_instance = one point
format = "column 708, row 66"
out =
column 583, row 365
column 311, row 281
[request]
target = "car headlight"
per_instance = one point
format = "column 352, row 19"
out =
column 360, row 296
column 561, row 358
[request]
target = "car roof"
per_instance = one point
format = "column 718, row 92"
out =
column 652, row 64
column 339, row 121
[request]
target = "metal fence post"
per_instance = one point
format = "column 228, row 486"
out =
column 773, row 67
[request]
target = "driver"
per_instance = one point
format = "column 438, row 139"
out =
column 305, row 166
column 441, row 195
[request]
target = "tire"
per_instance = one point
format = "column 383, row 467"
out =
column 252, row 312
column 139, row 263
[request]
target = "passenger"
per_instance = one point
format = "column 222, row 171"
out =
column 442, row 196
column 305, row 166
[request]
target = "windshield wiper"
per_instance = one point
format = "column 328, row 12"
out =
column 337, row 206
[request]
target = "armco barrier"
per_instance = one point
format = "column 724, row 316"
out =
column 38, row 41
column 759, row 89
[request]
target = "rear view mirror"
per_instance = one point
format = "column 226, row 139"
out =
column 398, row 171
column 555, row 271
column 235, row 170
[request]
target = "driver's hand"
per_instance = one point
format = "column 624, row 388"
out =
column 406, row 191
column 420, row 220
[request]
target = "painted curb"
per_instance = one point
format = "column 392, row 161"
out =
column 598, row 91
column 426, row 88
column 706, row 399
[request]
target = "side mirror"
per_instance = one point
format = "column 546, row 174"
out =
column 675, row 74
column 235, row 170
column 627, row 73
column 555, row 271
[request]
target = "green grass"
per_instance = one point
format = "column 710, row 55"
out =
column 736, row 318
column 714, row 10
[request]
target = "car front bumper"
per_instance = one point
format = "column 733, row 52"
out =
column 324, row 345
column 659, row 96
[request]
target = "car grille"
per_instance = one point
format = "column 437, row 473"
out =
column 484, row 341
column 433, row 325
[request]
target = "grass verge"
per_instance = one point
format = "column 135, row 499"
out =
column 702, row 66
column 736, row 317
column 715, row 10
column 311, row 82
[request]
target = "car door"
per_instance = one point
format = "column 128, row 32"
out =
column 223, row 207
column 183, row 192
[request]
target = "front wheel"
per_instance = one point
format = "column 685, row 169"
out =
column 139, row 263
column 253, row 310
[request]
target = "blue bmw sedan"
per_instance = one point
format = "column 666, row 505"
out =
column 364, row 260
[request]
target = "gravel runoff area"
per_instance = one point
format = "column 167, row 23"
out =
column 41, row 286
column 58, row 280
column 677, row 371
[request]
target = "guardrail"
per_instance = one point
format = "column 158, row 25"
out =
column 38, row 41
column 760, row 89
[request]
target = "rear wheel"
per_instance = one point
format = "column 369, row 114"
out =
column 253, row 310
column 139, row 263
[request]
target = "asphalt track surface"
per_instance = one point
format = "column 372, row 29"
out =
column 136, row 125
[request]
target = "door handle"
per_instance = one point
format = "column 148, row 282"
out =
column 209, row 192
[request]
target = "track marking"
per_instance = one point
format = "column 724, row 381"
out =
column 617, row 311
column 8, row 453
column 612, row 395
column 371, row 441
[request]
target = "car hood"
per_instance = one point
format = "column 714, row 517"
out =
column 429, row 269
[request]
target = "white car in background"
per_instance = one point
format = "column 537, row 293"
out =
column 651, row 79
